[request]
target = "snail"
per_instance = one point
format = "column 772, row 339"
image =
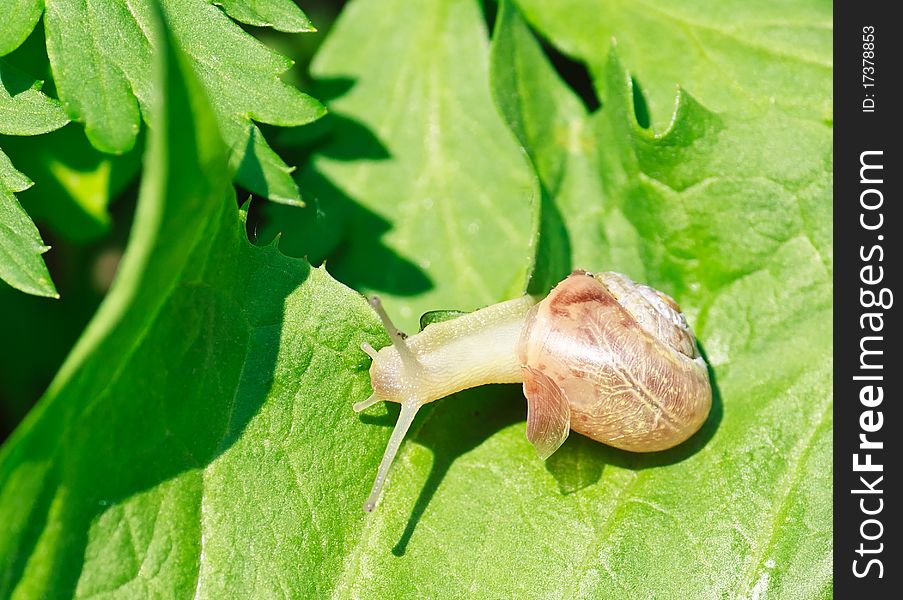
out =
column 609, row 358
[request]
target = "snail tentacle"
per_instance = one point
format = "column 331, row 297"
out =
column 408, row 359
column 365, row 404
column 405, row 418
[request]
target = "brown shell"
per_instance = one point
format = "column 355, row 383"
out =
column 624, row 358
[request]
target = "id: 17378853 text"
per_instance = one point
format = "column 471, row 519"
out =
column 868, row 68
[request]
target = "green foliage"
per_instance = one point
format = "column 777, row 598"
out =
column 24, row 110
column 732, row 55
column 731, row 215
column 20, row 17
column 433, row 209
column 281, row 15
column 199, row 439
column 75, row 183
column 120, row 453
column 21, row 246
column 101, row 58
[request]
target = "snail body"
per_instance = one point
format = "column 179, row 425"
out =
column 602, row 355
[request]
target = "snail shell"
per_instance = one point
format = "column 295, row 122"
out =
column 622, row 358
column 602, row 355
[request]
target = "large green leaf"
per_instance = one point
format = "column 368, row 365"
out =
column 432, row 201
column 727, row 210
column 731, row 54
column 24, row 110
column 208, row 358
column 731, row 215
column 199, row 439
column 101, row 58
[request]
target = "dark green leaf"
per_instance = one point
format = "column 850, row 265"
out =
column 208, row 358
column 74, row 183
column 24, row 110
column 101, row 58
column 21, row 247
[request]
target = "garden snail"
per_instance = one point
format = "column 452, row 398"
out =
column 609, row 358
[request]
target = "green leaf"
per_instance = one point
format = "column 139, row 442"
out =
column 282, row 15
column 438, row 316
column 74, row 183
column 732, row 54
column 729, row 211
column 731, row 215
column 101, row 59
column 19, row 19
column 434, row 202
column 21, row 246
column 199, row 439
column 208, row 358
column 24, row 110
column 11, row 179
